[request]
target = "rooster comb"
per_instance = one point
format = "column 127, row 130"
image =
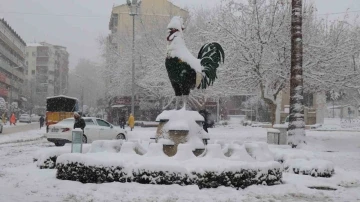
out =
column 176, row 22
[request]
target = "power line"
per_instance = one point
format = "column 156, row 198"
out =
column 356, row 11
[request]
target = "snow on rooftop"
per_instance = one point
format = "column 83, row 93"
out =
column 33, row 44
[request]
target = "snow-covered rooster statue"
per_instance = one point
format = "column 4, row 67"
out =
column 186, row 71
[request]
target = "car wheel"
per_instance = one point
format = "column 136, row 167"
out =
column 120, row 137
column 84, row 139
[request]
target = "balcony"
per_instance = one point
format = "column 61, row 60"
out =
column 42, row 79
column 11, row 70
column 43, row 54
column 13, row 46
column 10, row 56
column 42, row 63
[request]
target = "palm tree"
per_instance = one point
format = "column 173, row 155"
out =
column 296, row 129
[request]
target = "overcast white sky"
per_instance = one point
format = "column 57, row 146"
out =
column 62, row 22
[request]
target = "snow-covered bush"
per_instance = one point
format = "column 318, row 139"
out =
column 314, row 167
column 302, row 162
column 46, row 158
column 204, row 172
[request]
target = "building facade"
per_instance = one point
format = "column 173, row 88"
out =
column 47, row 72
column 153, row 15
column 12, row 64
column 150, row 11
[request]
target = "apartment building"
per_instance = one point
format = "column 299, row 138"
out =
column 153, row 15
column 12, row 64
column 150, row 12
column 47, row 72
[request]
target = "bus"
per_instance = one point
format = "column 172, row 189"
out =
column 59, row 108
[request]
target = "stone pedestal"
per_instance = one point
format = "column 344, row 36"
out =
column 283, row 133
column 273, row 136
column 176, row 127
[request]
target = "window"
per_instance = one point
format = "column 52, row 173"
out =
column 32, row 72
column 89, row 122
column 102, row 123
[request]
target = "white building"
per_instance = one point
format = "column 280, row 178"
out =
column 47, row 72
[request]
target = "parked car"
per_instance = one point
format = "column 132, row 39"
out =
column 96, row 129
column 25, row 118
column 1, row 127
column 35, row 118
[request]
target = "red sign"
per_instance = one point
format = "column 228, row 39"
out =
column 4, row 92
column 2, row 78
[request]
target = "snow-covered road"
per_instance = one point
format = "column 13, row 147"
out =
column 21, row 180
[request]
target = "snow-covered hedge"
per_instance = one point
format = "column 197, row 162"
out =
column 46, row 158
column 313, row 167
column 160, row 169
column 302, row 162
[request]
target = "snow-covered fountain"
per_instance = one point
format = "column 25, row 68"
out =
column 180, row 127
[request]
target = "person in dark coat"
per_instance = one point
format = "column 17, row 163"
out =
column 204, row 113
column 122, row 121
column 41, row 120
column 79, row 121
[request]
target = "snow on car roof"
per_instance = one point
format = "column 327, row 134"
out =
column 62, row 96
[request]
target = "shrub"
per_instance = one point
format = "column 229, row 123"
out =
column 241, row 178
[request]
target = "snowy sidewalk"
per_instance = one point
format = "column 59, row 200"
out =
column 25, row 136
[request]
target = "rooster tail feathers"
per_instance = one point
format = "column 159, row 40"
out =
column 211, row 55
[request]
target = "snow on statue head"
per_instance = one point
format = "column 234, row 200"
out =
column 175, row 28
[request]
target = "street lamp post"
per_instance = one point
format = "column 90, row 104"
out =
column 134, row 6
column 82, row 90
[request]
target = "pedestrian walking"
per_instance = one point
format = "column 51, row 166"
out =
column 122, row 121
column 4, row 118
column 131, row 122
column 41, row 120
column 13, row 119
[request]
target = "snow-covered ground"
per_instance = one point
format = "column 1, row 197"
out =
column 22, row 136
column 21, row 180
column 7, row 125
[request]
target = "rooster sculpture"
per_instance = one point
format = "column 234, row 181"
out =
column 185, row 71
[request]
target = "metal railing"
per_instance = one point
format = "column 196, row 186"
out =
column 10, row 69
column 10, row 56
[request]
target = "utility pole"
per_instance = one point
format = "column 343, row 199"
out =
column 296, row 130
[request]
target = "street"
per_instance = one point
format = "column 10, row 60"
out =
column 20, row 127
